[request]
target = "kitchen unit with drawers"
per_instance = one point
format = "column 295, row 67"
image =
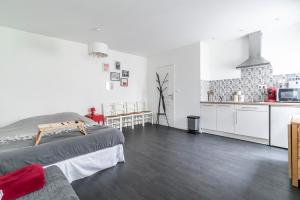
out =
column 241, row 121
column 252, row 121
column 260, row 122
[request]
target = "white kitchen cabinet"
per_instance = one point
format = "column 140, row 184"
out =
column 252, row 121
column 280, row 117
column 208, row 116
column 226, row 118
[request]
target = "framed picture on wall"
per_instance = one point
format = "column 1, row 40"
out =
column 114, row 76
column 118, row 65
column 109, row 85
column 125, row 73
column 124, row 82
column 105, row 67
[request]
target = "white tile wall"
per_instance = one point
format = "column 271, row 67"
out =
column 249, row 83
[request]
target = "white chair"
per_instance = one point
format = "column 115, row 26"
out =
column 147, row 115
column 126, row 118
column 110, row 117
column 137, row 118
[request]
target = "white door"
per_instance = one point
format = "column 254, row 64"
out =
column 208, row 116
column 280, row 118
column 166, row 76
column 226, row 118
column 252, row 121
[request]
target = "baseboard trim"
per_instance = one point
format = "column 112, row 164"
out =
column 224, row 134
column 235, row 136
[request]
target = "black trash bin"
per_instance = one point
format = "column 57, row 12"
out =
column 193, row 124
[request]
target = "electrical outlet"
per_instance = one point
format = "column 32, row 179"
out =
column 262, row 87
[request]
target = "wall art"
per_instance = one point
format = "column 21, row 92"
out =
column 118, row 65
column 105, row 67
column 109, row 85
column 124, row 82
column 125, row 73
column 114, row 76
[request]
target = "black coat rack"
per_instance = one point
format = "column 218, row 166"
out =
column 161, row 88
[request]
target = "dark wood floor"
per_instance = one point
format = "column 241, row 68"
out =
column 171, row 164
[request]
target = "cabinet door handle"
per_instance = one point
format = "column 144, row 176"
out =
column 248, row 108
column 236, row 119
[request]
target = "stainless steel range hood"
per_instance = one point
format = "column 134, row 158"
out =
column 255, row 58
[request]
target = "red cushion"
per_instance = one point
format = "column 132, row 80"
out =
column 22, row 181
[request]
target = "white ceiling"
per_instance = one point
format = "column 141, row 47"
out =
column 146, row 27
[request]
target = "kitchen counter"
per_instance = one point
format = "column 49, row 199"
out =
column 255, row 103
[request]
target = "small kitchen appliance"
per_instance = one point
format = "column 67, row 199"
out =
column 289, row 94
column 271, row 94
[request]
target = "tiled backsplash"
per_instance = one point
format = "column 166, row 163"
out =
column 251, row 79
column 204, row 89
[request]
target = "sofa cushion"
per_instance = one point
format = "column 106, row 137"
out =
column 57, row 187
column 22, row 181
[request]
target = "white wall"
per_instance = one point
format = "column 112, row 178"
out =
column 282, row 48
column 41, row 75
column 279, row 46
column 220, row 57
column 187, row 81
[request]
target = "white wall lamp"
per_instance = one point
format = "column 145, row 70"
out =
column 98, row 49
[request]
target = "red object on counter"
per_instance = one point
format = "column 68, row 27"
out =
column 271, row 92
column 22, row 181
column 97, row 118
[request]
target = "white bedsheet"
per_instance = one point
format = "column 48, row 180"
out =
column 88, row 164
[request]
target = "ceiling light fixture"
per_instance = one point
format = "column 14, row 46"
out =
column 98, row 49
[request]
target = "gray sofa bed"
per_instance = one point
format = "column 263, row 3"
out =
column 17, row 150
column 57, row 187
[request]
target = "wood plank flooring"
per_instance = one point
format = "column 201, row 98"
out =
column 166, row 163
